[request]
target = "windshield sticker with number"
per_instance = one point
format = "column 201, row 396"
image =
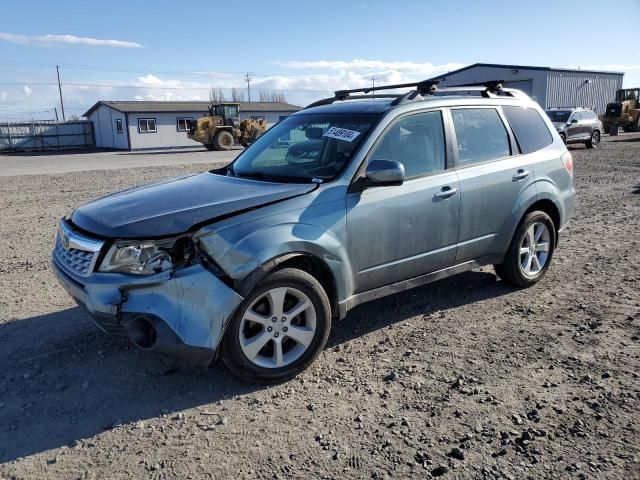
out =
column 341, row 134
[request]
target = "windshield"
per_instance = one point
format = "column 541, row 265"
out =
column 305, row 147
column 558, row 115
column 628, row 94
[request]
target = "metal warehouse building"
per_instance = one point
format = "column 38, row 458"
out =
column 550, row 87
column 132, row 125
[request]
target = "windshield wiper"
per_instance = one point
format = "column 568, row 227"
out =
column 272, row 178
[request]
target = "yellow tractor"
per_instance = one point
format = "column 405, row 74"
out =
column 222, row 128
column 624, row 112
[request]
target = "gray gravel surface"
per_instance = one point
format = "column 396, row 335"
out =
column 465, row 378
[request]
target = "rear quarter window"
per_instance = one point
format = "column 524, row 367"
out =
column 529, row 128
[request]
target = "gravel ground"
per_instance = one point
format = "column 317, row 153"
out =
column 465, row 378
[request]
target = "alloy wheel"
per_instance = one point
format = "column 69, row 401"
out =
column 278, row 327
column 534, row 250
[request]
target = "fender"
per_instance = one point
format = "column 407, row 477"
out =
column 539, row 189
column 248, row 259
column 547, row 190
column 525, row 199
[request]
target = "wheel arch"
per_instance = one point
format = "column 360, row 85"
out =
column 538, row 197
column 305, row 261
column 547, row 206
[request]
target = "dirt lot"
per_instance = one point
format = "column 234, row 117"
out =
column 465, row 378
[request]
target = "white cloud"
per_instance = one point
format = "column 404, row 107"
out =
column 27, row 90
column 416, row 68
column 49, row 39
column 150, row 79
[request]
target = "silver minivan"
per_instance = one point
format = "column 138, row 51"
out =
column 353, row 198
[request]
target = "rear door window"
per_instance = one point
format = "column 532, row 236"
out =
column 529, row 128
column 481, row 136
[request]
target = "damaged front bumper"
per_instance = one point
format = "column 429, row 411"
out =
column 181, row 314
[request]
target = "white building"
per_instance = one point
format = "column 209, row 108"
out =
column 133, row 125
column 550, row 87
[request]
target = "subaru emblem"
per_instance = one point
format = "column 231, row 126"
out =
column 65, row 240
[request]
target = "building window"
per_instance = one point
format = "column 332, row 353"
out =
column 119, row 126
column 147, row 125
column 184, row 123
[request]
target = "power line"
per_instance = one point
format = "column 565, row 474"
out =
column 152, row 70
column 152, row 87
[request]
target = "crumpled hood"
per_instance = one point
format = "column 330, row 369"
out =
column 173, row 206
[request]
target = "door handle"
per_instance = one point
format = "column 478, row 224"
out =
column 520, row 174
column 446, row 192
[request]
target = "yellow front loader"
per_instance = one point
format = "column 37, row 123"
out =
column 624, row 112
column 222, row 128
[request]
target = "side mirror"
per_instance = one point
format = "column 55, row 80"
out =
column 573, row 120
column 381, row 173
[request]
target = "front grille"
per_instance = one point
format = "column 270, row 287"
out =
column 75, row 252
column 75, row 260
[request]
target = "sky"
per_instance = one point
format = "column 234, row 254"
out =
column 162, row 50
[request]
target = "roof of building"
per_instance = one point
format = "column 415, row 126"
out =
column 523, row 67
column 139, row 106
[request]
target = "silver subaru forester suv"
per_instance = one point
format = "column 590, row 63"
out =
column 353, row 198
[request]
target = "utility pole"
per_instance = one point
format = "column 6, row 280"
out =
column 247, row 78
column 60, row 90
column 373, row 86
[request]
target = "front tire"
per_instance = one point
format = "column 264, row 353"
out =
column 530, row 251
column 279, row 329
column 594, row 140
column 223, row 140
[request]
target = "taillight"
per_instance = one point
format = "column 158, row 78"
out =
column 567, row 161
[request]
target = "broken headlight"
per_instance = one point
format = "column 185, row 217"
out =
column 146, row 257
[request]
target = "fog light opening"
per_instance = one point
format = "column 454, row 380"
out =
column 142, row 332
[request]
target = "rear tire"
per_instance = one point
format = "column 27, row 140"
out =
column 530, row 251
column 594, row 140
column 266, row 341
column 223, row 140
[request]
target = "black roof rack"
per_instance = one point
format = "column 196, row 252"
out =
column 489, row 89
